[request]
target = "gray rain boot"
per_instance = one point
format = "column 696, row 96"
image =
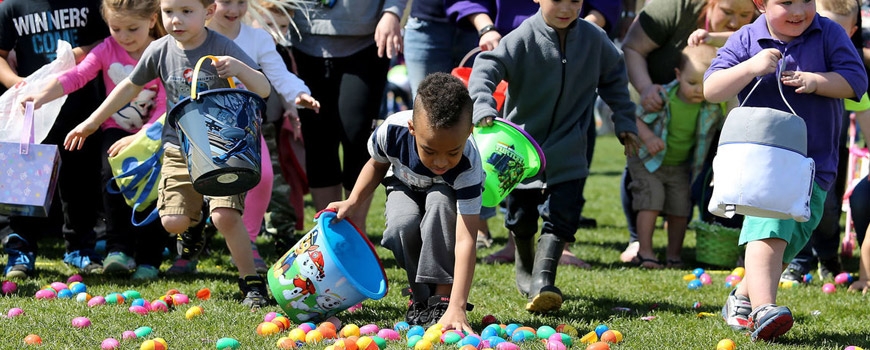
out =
column 544, row 296
column 524, row 255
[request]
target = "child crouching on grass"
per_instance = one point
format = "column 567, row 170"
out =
column 172, row 58
column 433, row 177
column 821, row 67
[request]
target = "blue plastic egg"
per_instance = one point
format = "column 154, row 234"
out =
column 698, row 272
column 600, row 329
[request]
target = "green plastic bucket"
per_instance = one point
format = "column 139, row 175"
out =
column 509, row 156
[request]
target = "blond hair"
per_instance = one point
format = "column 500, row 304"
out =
column 703, row 54
column 848, row 8
column 144, row 9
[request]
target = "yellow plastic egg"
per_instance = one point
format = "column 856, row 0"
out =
column 726, row 344
column 286, row 343
column 193, row 311
column 296, row 334
column 313, row 336
column 423, row 344
column 350, row 330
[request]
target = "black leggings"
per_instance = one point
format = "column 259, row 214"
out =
column 349, row 90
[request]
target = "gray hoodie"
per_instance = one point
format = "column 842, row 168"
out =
column 343, row 29
column 551, row 94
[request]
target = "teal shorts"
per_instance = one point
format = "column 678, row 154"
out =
column 797, row 234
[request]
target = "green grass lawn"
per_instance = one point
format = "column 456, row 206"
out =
column 822, row 321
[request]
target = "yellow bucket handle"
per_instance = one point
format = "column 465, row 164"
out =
column 196, row 75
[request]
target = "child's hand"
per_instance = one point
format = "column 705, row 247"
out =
column 455, row 320
column 764, row 62
column 305, row 100
column 486, row 121
column 120, row 145
column 227, row 66
column 860, row 285
column 805, row 82
column 697, row 37
column 343, row 209
column 654, row 144
column 630, row 142
column 75, row 139
column 38, row 100
column 651, row 98
column 291, row 117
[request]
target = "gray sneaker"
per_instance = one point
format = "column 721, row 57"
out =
column 769, row 321
column 791, row 275
column 736, row 311
column 118, row 262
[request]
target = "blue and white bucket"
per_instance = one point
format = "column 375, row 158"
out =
column 219, row 131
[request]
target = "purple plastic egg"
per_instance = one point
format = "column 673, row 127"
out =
column 14, row 312
column 46, row 294
column 128, row 335
column 369, row 329
column 8, row 287
column 389, row 334
column 81, row 322
column 74, row 278
column 139, row 309
column 110, row 344
column 96, row 301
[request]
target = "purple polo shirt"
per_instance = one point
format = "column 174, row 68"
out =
column 823, row 47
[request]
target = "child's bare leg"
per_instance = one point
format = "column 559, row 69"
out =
column 646, row 221
column 676, row 233
column 175, row 224
column 229, row 222
column 763, row 268
column 568, row 258
column 504, row 255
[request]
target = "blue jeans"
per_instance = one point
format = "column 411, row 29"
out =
column 434, row 47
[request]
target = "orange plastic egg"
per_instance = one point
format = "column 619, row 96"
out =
column 286, row 343
column 32, row 339
column 282, row 322
column 611, row 336
column 203, row 294
column 327, row 332
column 598, row 346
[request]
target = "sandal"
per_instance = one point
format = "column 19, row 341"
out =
column 675, row 264
column 647, row 263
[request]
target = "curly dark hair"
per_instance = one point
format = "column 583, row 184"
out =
column 445, row 99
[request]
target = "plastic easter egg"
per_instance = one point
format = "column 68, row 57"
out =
column 706, row 279
column 14, row 312
column 8, row 287
column 286, row 343
column 59, row 286
column 325, row 324
column 335, row 322
column 600, row 329
column 142, row 332
column 196, row 311
column 380, row 342
column 611, row 336
column 413, row 339
column 282, row 322
column 131, row 294
column 423, row 344
column 509, row 329
column 494, row 341
column 81, row 322
column 698, row 272
column 401, row 326
column 696, row 305
column 172, row 291
column 46, row 294
column 110, row 344
column 297, row 334
column 350, row 330
column 367, row 343
column 313, row 336
column 180, row 299
column 472, row 340
column 739, row 271
column 450, row 338
column 369, row 329
column 416, row 330
column 227, row 343
column 808, row 278
column 389, row 334
column 159, row 306
column 433, row 336
column 83, row 297
column 328, row 332
column 694, row 284
column 345, row 344
column 78, row 287
column 598, row 346
column 489, row 331
column 829, row 288
column 852, row 347
column 843, row 278
column 544, row 332
column 726, row 344
column 488, row 320
column 521, row 335
column 74, row 278
column 562, row 338
column 32, row 339
column 555, row 345
column 128, row 335
column 203, row 294
column 788, row 284
column 567, row 329
column 467, row 347
column 138, row 302
column 154, row 344
column 267, row 328
column 688, row 277
column 138, row 310
column 114, row 299
column 436, row 326
column 589, row 338
column 269, row 316
column 507, row 346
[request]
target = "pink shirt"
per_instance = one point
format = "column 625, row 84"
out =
column 116, row 64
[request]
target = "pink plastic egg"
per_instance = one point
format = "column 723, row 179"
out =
column 180, row 299
column 706, row 279
column 74, row 278
column 128, row 335
column 507, row 346
column 389, row 334
column 139, row 310
column 369, row 329
column 270, row 316
column 14, row 312
column 58, row 286
column 159, row 306
column 96, row 301
column 829, row 288
column 555, row 345
column 46, row 294
column 81, row 322
column 110, row 344
column 8, row 287
column 843, row 278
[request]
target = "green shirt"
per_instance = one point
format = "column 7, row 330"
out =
column 681, row 130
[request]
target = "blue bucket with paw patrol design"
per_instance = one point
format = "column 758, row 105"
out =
column 333, row 267
column 219, row 131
